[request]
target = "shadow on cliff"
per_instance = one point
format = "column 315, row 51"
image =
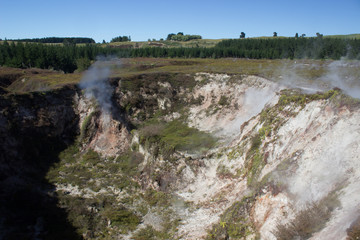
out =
column 34, row 129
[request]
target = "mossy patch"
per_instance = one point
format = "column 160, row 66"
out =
column 157, row 198
column 234, row 222
column 85, row 125
column 122, row 218
column 293, row 97
column 175, row 136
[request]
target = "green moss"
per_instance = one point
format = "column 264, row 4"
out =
column 156, row 198
column 256, row 142
column 174, row 136
column 67, row 157
column 122, row 218
column 223, row 171
column 85, row 125
column 294, row 97
column 149, row 233
column 234, row 222
column 235, row 152
column 265, row 131
column 184, row 138
column 86, row 221
column 256, row 165
column 128, row 162
column 91, row 158
column 135, row 147
column 339, row 100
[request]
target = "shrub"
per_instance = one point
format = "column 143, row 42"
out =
column 223, row 172
column 223, row 101
column 309, row 220
column 255, row 143
column 156, row 198
column 256, row 165
column 234, row 222
column 128, row 162
column 185, row 138
column 353, row 232
column 148, row 233
column 152, row 130
column 85, row 125
column 91, row 158
column 175, row 136
column 122, row 218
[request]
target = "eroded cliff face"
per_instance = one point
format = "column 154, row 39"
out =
column 203, row 156
column 34, row 129
column 295, row 162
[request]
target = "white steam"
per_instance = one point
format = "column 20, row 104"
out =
column 291, row 77
column 253, row 102
column 96, row 84
column 344, row 74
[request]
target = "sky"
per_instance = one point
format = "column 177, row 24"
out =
column 155, row 19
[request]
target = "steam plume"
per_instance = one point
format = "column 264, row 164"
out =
column 96, row 84
column 344, row 75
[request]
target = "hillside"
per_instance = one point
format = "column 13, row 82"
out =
column 181, row 149
column 202, row 43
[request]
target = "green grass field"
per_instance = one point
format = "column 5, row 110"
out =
column 25, row 80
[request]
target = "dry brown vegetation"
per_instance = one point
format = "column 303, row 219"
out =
column 353, row 232
column 34, row 79
column 25, row 80
column 309, row 220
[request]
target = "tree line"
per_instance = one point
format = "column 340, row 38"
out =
column 271, row 48
column 66, row 58
column 181, row 37
column 121, row 39
column 74, row 40
column 69, row 57
column 277, row 48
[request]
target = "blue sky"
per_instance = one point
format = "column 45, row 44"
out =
column 157, row 18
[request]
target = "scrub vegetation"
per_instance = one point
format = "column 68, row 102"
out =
column 234, row 222
column 175, row 136
column 309, row 220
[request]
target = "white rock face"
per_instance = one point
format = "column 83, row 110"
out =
column 322, row 138
column 245, row 98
